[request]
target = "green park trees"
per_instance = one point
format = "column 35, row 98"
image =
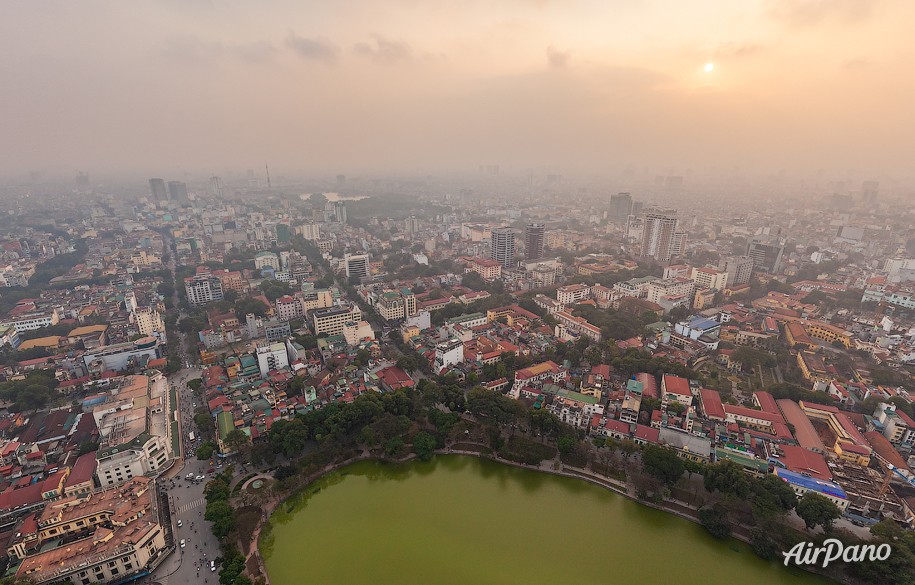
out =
column 663, row 464
column 816, row 510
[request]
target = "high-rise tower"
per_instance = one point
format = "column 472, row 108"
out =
column 533, row 241
column 659, row 234
column 157, row 190
column 502, row 246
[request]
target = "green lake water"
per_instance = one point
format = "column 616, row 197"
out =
column 462, row 520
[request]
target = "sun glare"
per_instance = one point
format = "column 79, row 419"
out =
column 709, row 67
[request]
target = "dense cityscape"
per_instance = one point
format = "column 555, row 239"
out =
column 387, row 292
column 226, row 334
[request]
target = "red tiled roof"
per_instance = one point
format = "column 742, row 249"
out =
column 676, row 385
column 83, row 470
column 711, row 403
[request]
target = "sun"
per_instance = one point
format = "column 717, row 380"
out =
column 709, row 67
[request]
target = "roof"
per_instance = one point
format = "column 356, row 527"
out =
column 676, row 385
column 805, row 461
column 83, row 470
column 811, row 483
column 87, row 330
column 885, row 450
column 711, row 403
column 771, row 417
column 50, row 341
column 766, row 401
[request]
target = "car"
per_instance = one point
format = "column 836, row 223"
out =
column 200, row 477
column 182, row 543
column 180, row 524
column 213, row 566
column 210, row 470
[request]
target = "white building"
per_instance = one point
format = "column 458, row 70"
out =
column 266, row 260
column 202, row 289
column 448, row 353
column 149, row 321
column 353, row 333
column 709, row 278
column 671, row 287
column 356, row 265
column 573, row 294
column 271, row 357
column 332, row 319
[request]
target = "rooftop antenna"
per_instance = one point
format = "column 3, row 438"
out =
column 268, row 176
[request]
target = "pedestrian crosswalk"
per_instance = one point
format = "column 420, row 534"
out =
column 190, row 505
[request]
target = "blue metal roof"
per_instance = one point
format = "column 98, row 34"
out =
column 703, row 323
column 811, row 483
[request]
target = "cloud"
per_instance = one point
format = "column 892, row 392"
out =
column 739, row 50
column 190, row 48
column 383, row 50
column 556, row 58
column 318, row 49
column 813, row 12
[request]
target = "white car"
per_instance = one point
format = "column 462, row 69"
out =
column 182, row 543
column 213, row 566
column 180, row 524
column 201, row 477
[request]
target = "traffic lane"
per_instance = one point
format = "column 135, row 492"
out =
column 200, row 545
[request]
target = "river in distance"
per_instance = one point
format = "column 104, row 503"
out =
column 462, row 520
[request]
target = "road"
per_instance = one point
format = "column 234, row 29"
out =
column 186, row 501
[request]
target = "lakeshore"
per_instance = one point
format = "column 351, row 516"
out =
column 357, row 500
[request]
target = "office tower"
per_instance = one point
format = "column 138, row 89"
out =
column 659, row 234
column 340, row 212
column 178, row 192
column 620, row 207
column 411, row 224
column 766, row 253
column 533, row 241
column 738, row 268
column 502, row 246
column 214, row 187
column 157, row 190
column 678, row 245
column 356, row 265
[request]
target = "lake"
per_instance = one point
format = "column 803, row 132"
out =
column 462, row 520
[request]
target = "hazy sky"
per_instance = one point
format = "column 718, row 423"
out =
column 361, row 85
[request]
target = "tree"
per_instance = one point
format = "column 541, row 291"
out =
column 772, row 497
column 248, row 305
column 816, row 510
column 220, row 513
column 88, row 447
column 727, row 478
column 566, row 444
column 206, row 450
column 236, row 440
column 715, row 520
column 424, row 445
column 663, row 464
